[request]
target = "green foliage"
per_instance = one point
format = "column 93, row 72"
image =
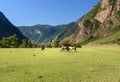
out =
column 111, row 39
column 14, row 41
column 118, row 13
column 30, row 44
column 93, row 12
column 78, row 45
column 113, row 2
column 56, row 43
column 117, row 41
column 91, row 25
column 65, row 43
column 115, row 29
column 110, row 22
column 88, row 24
column 36, row 45
column 49, row 46
column 26, row 44
column 9, row 42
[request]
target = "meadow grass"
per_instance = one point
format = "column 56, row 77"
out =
column 109, row 39
column 88, row 64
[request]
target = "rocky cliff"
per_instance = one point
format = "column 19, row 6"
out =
column 100, row 22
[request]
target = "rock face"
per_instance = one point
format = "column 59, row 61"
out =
column 118, row 5
column 99, row 22
column 101, row 16
column 105, row 3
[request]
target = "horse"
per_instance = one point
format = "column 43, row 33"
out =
column 64, row 48
column 68, row 48
column 72, row 48
column 42, row 48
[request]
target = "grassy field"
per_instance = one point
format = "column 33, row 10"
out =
column 88, row 64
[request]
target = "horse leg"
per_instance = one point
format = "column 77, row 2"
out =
column 75, row 49
column 61, row 50
column 67, row 48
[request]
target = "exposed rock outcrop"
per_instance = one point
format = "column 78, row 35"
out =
column 99, row 22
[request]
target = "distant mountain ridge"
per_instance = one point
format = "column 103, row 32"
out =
column 7, row 28
column 45, row 33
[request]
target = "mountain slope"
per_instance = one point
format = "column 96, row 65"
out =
column 47, row 34
column 8, row 29
column 41, row 33
column 102, row 21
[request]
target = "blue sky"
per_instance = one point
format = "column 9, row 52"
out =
column 52, row 12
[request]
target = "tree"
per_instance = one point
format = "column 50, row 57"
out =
column 24, row 43
column 57, row 43
column 66, row 43
column 9, row 42
column 29, row 45
column 49, row 45
column 5, row 42
column 13, row 41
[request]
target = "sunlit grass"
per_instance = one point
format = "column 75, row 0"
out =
column 88, row 64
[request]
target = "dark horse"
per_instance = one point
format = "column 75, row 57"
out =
column 42, row 48
column 68, row 48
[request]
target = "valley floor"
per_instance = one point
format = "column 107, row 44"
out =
column 87, row 64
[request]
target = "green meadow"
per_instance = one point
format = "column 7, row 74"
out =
column 87, row 64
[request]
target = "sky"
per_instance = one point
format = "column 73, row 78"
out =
column 51, row 12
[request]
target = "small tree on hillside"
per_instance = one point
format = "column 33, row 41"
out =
column 29, row 45
column 9, row 42
column 13, row 41
column 49, row 46
column 24, row 43
column 57, row 43
column 66, row 44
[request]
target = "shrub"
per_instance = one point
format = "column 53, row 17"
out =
column 78, row 45
column 117, row 13
column 113, row 2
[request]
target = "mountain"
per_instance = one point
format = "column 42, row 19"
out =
column 45, row 33
column 7, row 28
column 99, row 25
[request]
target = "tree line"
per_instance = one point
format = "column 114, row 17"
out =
column 13, row 42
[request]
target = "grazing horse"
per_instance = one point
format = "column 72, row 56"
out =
column 42, row 48
column 68, row 48
column 72, row 48
column 65, row 48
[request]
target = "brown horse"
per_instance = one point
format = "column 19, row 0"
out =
column 42, row 48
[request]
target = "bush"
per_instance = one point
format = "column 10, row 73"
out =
column 78, row 45
column 56, row 43
column 113, row 2
column 49, row 46
column 117, row 13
